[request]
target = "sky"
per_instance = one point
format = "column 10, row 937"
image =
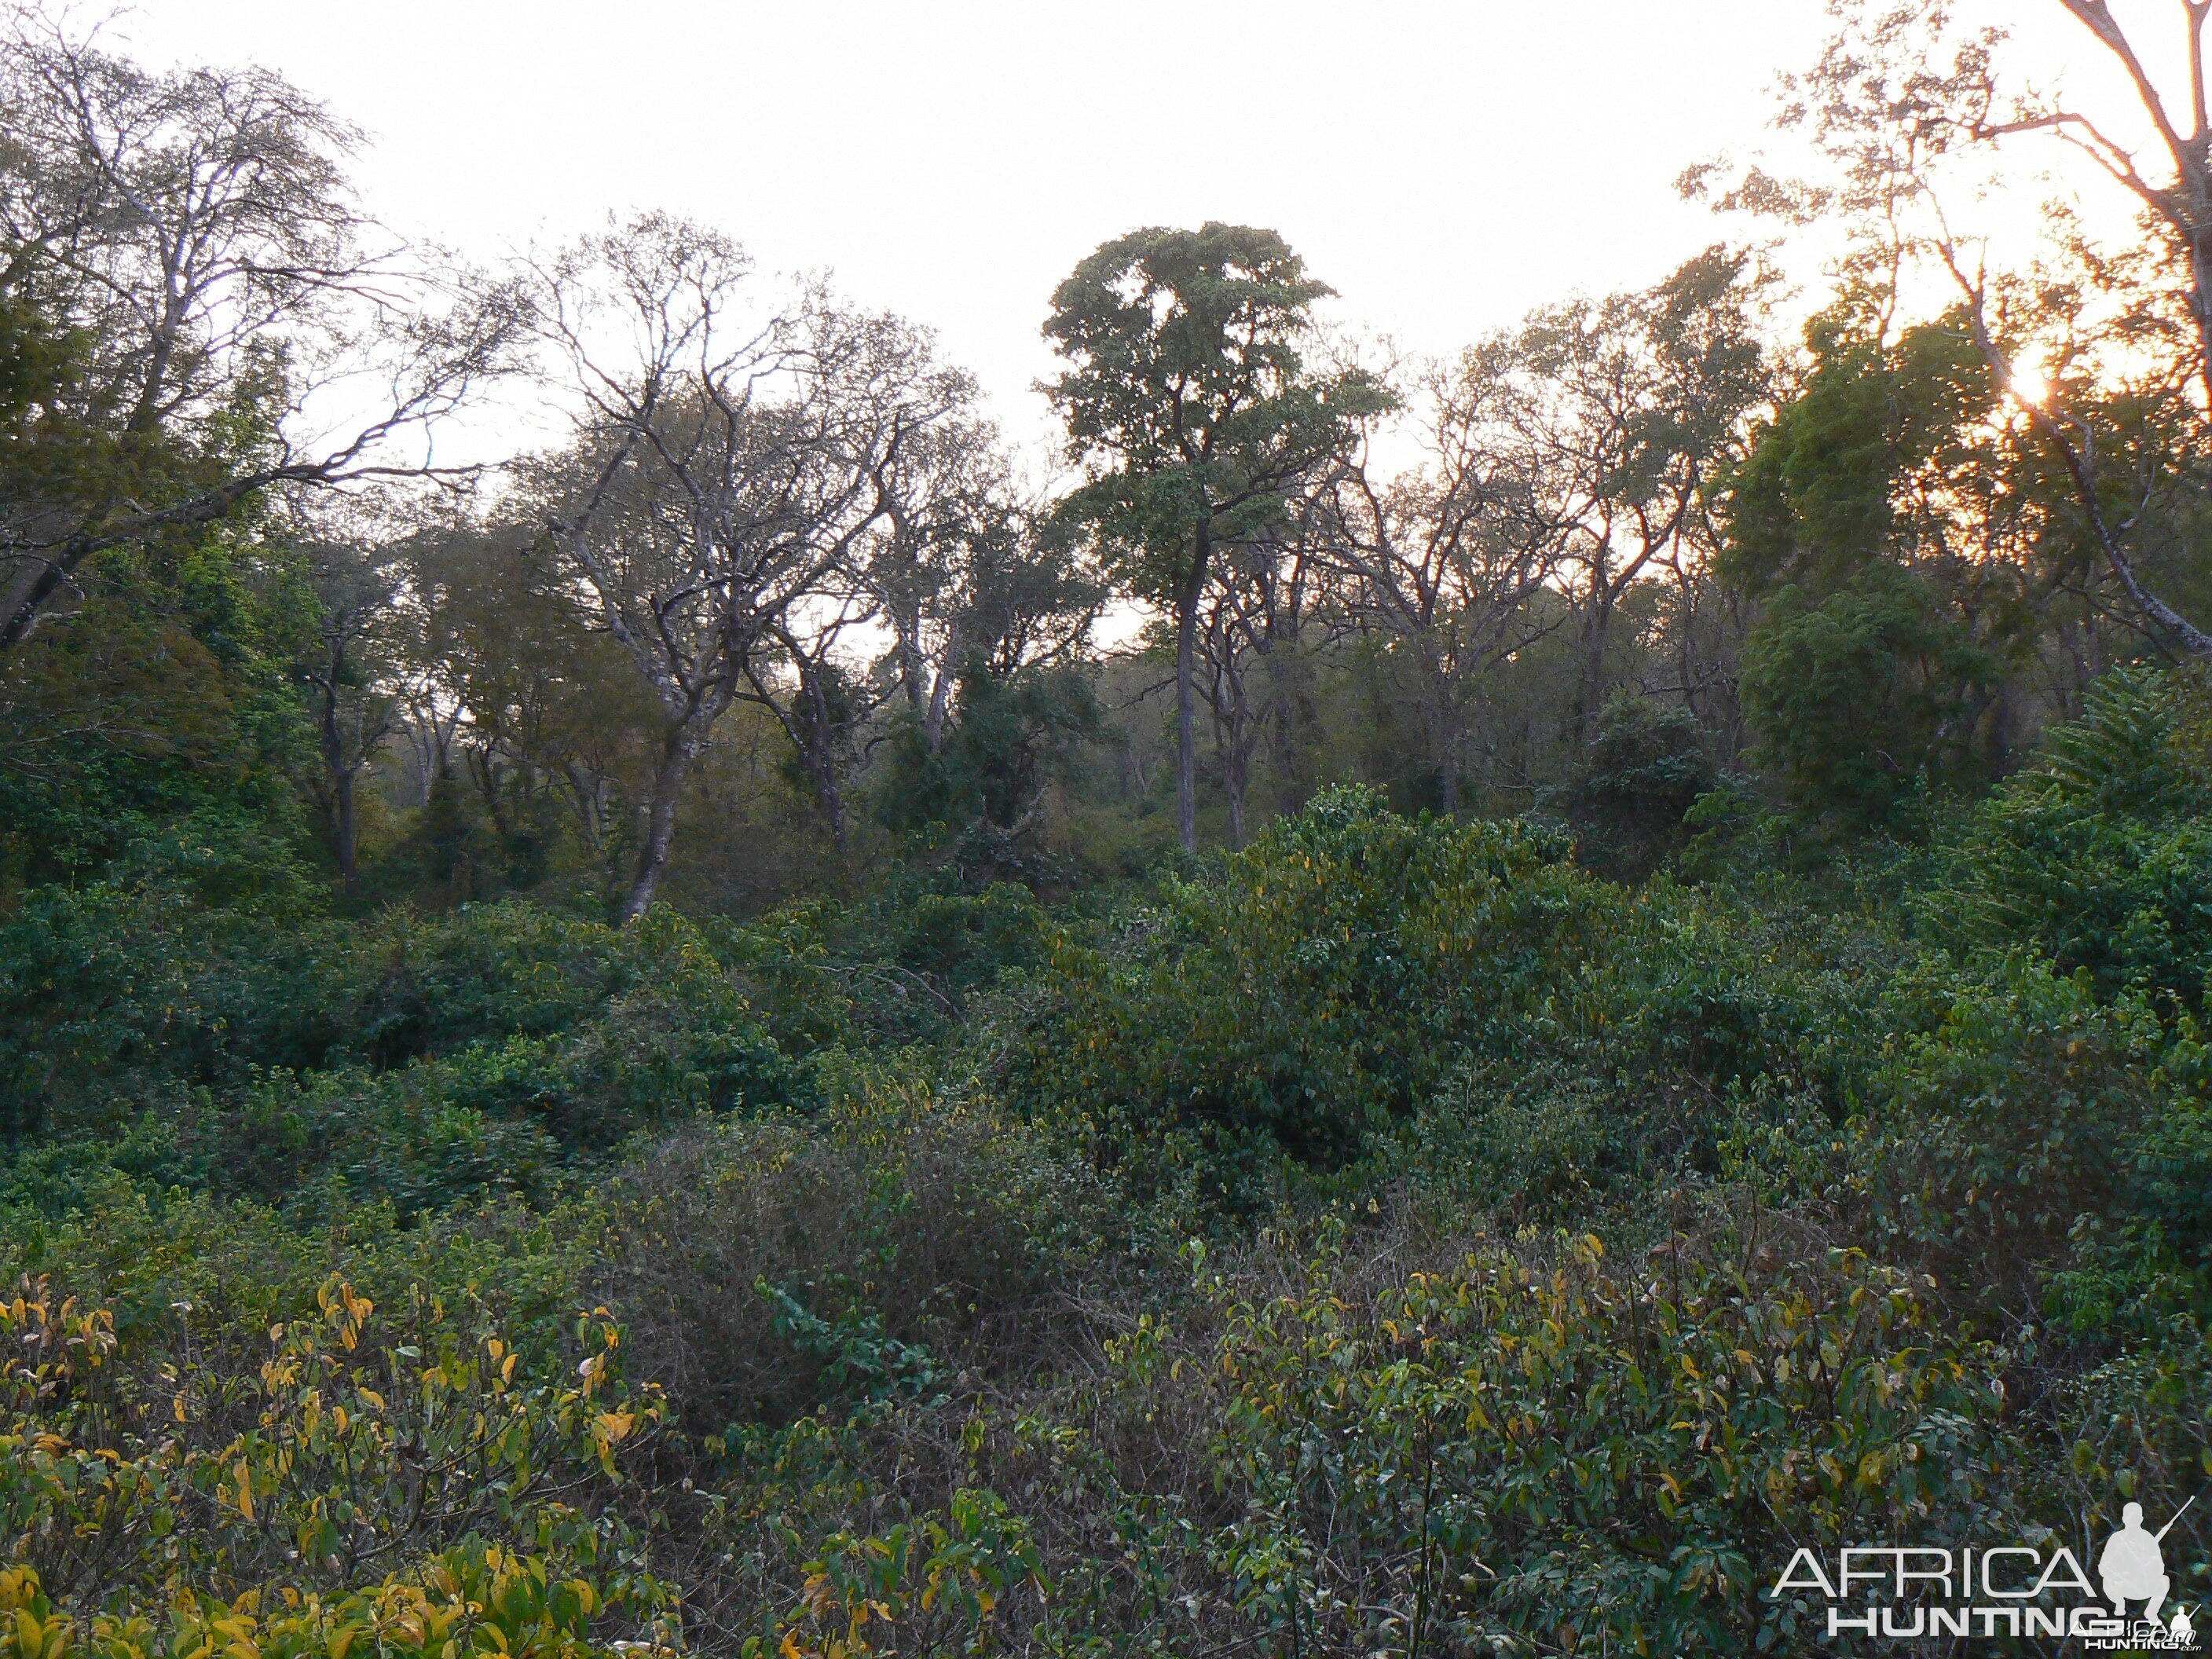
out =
column 1444, row 165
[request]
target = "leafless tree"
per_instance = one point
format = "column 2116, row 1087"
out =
column 729, row 460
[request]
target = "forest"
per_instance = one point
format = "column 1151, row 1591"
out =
column 1382, row 1007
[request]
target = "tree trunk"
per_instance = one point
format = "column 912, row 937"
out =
column 1443, row 728
column 344, row 839
column 344, row 836
column 828, row 796
column 940, row 695
column 27, row 594
column 1186, row 692
column 487, row 782
column 677, row 755
column 821, row 757
column 1236, row 774
column 1589, row 695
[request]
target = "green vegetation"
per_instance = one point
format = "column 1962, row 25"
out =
column 677, row 1058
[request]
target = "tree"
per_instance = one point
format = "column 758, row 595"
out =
column 1442, row 560
column 1866, row 698
column 1012, row 731
column 1909, row 113
column 1266, row 589
column 503, row 666
column 191, row 242
column 1188, row 401
column 728, row 465
column 967, row 576
column 1608, row 425
column 344, row 665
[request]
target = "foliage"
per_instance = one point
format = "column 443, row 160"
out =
column 436, row 1059
column 1860, row 699
column 213, row 1481
column 1557, row 1452
column 1013, row 733
column 2096, row 852
column 1646, row 766
column 950, row 1226
column 1301, row 1001
column 446, row 1209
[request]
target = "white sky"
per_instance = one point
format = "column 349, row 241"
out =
column 1444, row 165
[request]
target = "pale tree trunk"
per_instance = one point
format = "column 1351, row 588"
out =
column 681, row 748
column 941, row 700
column 828, row 799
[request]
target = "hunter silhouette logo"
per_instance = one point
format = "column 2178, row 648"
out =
column 1916, row 1592
column 2133, row 1568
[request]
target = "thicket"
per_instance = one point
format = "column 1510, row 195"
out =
column 675, row 1058
column 1389, row 1235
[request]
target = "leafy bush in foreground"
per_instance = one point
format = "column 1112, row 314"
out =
column 209, row 1479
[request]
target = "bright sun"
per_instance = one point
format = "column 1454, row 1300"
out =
column 2030, row 384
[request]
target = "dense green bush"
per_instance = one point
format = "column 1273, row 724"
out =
column 1302, row 1000
column 423, row 1060
column 2099, row 853
column 1322, row 997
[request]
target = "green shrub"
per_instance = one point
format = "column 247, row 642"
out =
column 2099, row 854
column 768, row 1269
column 139, row 1479
column 423, row 1061
column 1303, row 1001
column 1540, row 1451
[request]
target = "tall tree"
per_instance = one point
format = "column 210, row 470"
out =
column 1263, row 592
column 192, row 236
column 728, row 463
column 1188, row 400
column 1914, row 119
column 504, row 667
column 1441, row 559
column 345, row 663
column 1612, row 420
column 967, row 573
